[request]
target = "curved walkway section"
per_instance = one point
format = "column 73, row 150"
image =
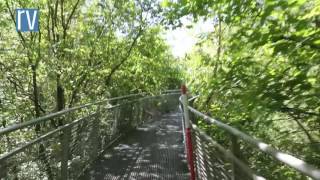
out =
column 153, row 151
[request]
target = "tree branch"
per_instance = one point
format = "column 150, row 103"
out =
column 298, row 111
column 15, row 23
column 72, row 13
column 75, row 90
column 115, row 68
column 297, row 40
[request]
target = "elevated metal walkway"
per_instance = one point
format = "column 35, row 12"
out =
column 153, row 151
column 137, row 137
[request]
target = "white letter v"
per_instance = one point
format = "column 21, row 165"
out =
column 31, row 24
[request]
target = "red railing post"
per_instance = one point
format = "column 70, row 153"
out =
column 187, row 126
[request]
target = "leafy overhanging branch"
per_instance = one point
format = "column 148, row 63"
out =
column 125, row 58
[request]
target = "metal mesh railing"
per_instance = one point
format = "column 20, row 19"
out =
column 214, row 162
column 39, row 149
column 209, row 161
column 227, row 159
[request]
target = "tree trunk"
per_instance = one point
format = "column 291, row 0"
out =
column 35, row 95
column 42, row 150
column 219, row 46
column 60, row 98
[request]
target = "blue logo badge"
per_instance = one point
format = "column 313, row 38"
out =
column 27, row 20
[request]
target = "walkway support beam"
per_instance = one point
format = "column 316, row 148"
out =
column 187, row 125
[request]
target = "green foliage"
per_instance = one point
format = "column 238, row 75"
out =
column 85, row 51
column 259, row 71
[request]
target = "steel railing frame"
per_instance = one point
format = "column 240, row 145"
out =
column 289, row 160
column 62, row 112
column 63, row 132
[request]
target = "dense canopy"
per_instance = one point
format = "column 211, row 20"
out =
column 257, row 70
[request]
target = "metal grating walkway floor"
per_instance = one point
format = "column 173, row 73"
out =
column 153, row 151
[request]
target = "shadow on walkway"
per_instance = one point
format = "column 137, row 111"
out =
column 153, row 151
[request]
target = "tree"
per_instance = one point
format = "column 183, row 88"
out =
column 261, row 75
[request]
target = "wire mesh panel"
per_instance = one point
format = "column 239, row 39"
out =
column 84, row 136
column 37, row 160
column 228, row 160
column 62, row 145
column 210, row 162
column 213, row 161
